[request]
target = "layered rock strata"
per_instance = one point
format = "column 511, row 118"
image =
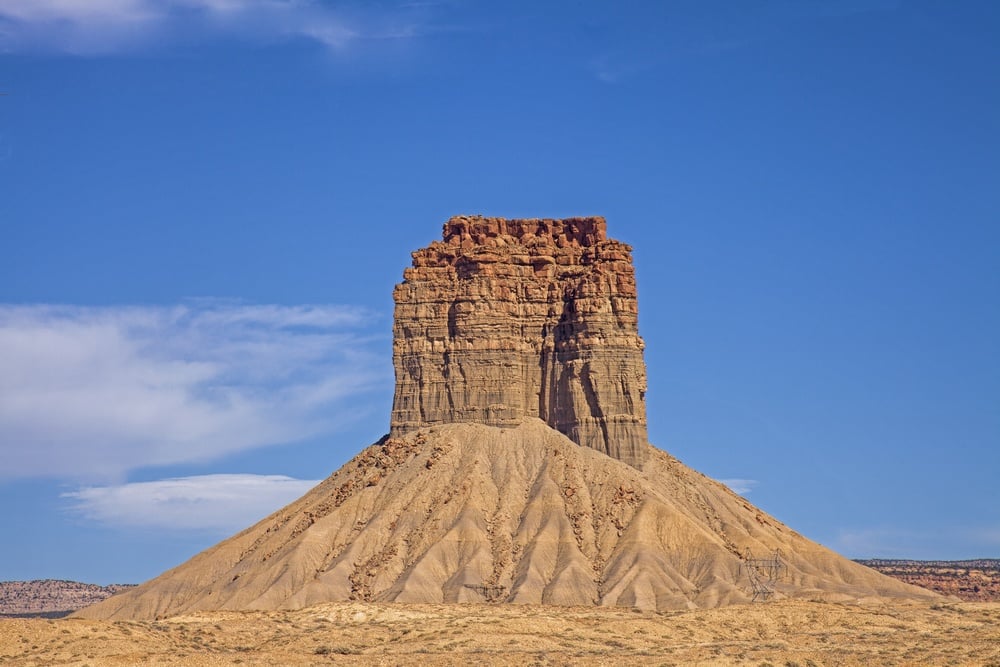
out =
column 527, row 327
column 508, row 319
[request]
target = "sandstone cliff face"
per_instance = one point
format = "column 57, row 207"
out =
column 508, row 319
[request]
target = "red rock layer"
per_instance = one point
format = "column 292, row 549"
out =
column 507, row 319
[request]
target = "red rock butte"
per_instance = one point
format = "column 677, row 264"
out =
column 515, row 343
column 504, row 320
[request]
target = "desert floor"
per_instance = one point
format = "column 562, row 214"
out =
column 781, row 633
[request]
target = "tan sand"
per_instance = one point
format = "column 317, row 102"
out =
column 787, row 633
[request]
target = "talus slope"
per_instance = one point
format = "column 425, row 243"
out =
column 472, row 513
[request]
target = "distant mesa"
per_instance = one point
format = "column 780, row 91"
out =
column 517, row 467
column 976, row 580
column 51, row 598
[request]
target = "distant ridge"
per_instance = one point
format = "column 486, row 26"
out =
column 51, row 598
column 975, row 580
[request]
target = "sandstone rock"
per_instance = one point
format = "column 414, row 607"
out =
column 51, row 597
column 511, row 335
column 508, row 319
column 975, row 580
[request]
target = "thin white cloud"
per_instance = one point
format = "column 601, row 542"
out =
column 216, row 503
column 740, row 486
column 109, row 26
column 78, row 10
column 93, row 392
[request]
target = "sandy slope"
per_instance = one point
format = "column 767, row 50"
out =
column 472, row 513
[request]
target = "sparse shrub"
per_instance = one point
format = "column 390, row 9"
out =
column 342, row 650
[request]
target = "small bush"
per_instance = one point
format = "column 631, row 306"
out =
column 341, row 650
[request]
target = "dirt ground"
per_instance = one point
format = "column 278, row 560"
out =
column 780, row 634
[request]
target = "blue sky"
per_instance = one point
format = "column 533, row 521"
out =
column 204, row 205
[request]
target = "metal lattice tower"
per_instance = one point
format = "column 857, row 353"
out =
column 762, row 573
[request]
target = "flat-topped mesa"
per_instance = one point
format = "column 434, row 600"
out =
column 507, row 319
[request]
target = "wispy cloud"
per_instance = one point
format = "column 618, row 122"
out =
column 110, row 26
column 740, row 486
column 93, row 392
column 215, row 503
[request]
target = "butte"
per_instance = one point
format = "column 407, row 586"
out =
column 517, row 467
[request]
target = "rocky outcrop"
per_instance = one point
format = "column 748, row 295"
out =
column 51, row 596
column 508, row 319
column 975, row 580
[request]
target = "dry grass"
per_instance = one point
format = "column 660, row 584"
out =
column 780, row 634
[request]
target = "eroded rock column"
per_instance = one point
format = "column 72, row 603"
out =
column 506, row 319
